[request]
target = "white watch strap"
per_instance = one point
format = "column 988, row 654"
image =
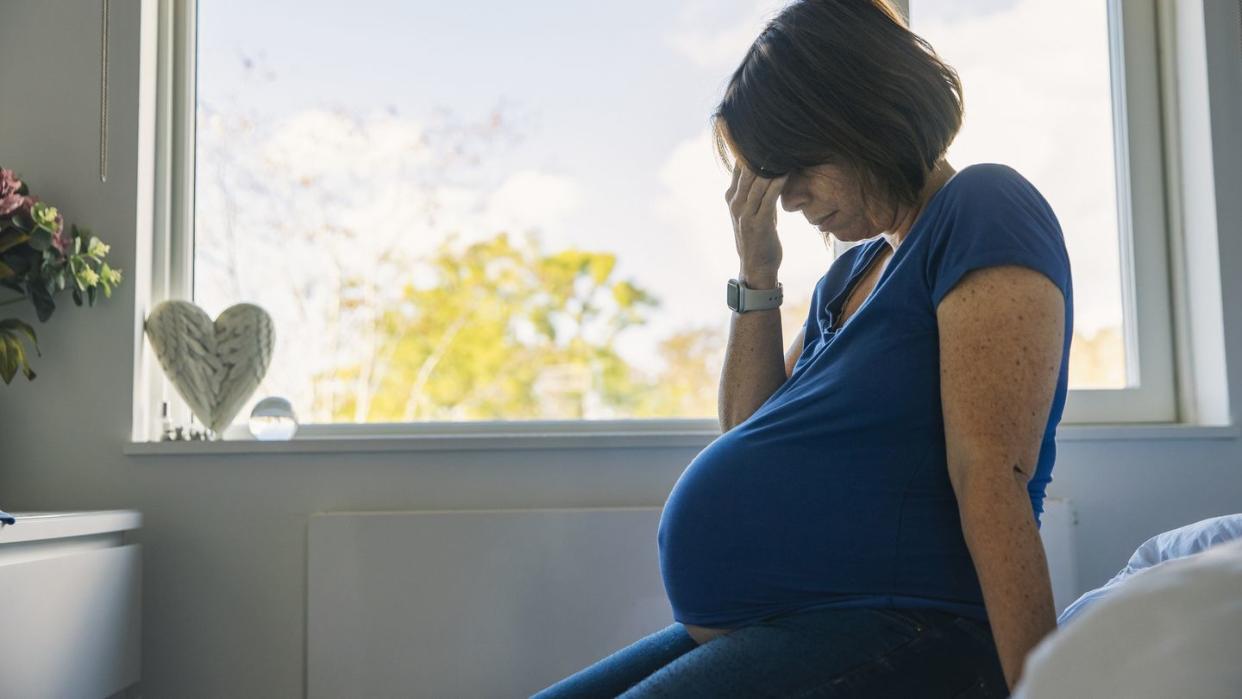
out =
column 759, row 299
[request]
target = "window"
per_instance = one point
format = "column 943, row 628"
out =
column 450, row 222
column 442, row 235
column 1059, row 90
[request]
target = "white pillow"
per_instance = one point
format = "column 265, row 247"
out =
column 1176, row 543
column 1174, row 631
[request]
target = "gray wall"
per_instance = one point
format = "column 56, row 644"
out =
column 225, row 536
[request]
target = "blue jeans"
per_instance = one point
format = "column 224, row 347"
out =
column 827, row 652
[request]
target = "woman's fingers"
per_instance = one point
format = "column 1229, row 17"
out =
column 762, row 192
column 754, row 228
column 772, row 194
column 758, row 186
column 744, row 201
column 749, row 194
column 737, row 171
column 742, row 195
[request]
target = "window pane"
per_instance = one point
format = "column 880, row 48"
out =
column 1035, row 76
column 455, row 211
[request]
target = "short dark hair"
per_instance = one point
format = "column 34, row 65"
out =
column 843, row 82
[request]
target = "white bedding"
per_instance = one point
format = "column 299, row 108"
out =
column 1176, row 543
column 1173, row 631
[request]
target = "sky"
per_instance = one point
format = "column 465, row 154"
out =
column 611, row 102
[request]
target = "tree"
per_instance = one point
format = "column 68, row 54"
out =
column 322, row 215
column 498, row 322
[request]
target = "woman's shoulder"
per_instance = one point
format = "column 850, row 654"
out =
column 976, row 173
column 992, row 215
column 980, row 184
column 990, row 195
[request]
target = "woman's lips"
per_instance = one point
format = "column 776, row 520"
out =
column 826, row 220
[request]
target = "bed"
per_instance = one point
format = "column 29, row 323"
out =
column 1169, row 624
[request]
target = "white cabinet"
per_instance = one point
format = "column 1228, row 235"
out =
column 70, row 586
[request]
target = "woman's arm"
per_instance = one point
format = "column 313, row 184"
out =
column 747, row 342
column 1001, row 334
column 752, row 364
column 794, row 352
column 752, row 368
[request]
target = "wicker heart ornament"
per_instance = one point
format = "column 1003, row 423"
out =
column 216, row 366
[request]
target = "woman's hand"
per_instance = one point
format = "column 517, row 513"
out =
column 752, row 205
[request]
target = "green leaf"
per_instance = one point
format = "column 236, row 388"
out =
column 21, row 263
column 41, row 296
column 12, row 354
column 40, row 238
column 90, row 295
column 12, row 238
column 30, row 373
column 7, row 370
column 13, row 325
column 22, row 221
column 11, row 357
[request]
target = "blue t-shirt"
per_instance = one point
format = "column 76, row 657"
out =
column 836, row 492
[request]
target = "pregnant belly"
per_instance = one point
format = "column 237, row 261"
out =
column 748, row 531
column 733, row 526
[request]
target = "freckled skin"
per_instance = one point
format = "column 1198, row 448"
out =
column 1001, row 338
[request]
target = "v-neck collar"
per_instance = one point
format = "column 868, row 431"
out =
column 878, row 244
column 857, row 274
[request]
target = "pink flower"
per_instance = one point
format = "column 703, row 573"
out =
column 17, row 204
column 10, row 203
column 10, row 200
column 62, row 241
column 9, row 184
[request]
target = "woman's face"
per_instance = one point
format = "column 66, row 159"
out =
column 831, row 190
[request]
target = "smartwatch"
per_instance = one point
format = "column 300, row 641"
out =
column 742, row 298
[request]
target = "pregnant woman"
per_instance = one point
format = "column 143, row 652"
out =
column 867, row 523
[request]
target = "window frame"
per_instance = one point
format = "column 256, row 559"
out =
column 1143, row 181
column 1143, row 184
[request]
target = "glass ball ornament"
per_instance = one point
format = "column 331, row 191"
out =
column 273, row 420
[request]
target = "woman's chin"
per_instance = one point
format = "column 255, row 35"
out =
column 839, row 236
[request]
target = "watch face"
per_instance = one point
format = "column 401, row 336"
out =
column 734, row 294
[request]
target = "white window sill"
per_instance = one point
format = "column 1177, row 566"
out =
column 583, row 434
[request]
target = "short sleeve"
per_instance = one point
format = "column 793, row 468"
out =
column 996, row 217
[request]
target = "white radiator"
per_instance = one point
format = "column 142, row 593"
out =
column 499, row 603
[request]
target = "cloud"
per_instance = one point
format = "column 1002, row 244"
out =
column 327, row 144
column 530, row 199
column 722, row 46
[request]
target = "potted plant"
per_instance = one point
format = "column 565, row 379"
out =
column 39, row 259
